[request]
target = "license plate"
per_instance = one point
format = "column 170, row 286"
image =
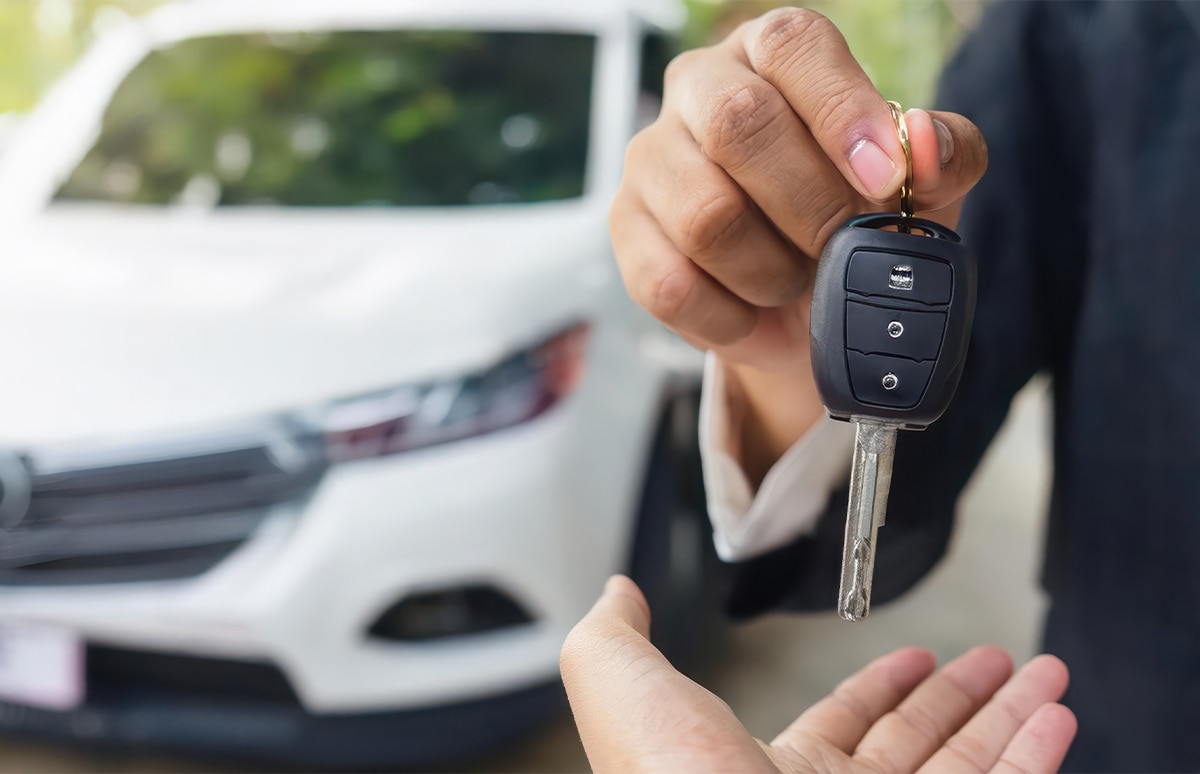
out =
column 41, row 665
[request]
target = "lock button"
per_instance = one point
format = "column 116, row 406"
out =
column 896, row 275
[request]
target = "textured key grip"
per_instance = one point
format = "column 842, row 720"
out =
column 891, row 319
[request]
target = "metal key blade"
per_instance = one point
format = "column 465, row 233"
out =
column 870, row 481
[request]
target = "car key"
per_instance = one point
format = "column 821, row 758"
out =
column 891, row 318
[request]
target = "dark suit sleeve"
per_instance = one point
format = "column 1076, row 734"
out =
column 1012, row 77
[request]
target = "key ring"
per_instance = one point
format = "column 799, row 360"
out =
column 906, row 190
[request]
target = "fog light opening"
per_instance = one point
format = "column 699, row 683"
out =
column 453, row 612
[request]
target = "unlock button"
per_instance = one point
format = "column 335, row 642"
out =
column 879, row 330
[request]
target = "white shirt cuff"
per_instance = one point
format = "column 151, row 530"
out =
column 796, row 488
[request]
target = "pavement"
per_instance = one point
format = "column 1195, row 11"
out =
column 770, row 670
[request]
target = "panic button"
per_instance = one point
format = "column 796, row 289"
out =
column 895, row 382
column 895, row 275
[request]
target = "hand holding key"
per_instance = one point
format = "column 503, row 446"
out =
column 767, row 143
column 891, row 317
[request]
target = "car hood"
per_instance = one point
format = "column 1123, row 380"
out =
column 122, row 322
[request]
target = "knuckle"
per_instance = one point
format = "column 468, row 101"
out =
column 714, row 225
column 635, row 151
column 669, row 294
column 664, row 293
column 617, row 212
column 787, row 34
column 738, row 120
column 677, row 69
column 797, row 46
column 717, row 237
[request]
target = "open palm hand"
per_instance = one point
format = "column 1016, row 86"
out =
column 635, row 712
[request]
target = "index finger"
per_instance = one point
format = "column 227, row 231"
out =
column 804, row 56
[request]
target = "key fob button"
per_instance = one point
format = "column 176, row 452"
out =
column 895, row 275
column 876, row 330
column 896, row 382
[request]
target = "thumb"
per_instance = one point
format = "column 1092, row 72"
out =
column 617, row 625
column 612, row 675
column 623, row 601
column 632, row 709
column 949, row 157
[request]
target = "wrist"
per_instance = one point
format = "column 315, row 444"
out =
column 768, row 412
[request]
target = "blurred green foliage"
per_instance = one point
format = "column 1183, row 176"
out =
column 393, row 117
column 39, row 39
column 901, row 44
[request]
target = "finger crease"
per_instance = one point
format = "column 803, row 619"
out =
column 854, row 705
column 969, row 750
column 1016, row 767
column 922, row 722
column 1013, row 713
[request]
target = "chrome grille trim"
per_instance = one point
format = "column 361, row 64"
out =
column 155, row 508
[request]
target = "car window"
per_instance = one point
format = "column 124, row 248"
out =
column 349, row 118
column 657, row 51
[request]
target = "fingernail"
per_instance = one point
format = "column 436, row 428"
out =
column 945, row 141
column 875, row 169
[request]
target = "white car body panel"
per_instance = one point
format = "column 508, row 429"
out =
column 133, row 322
column 282, row 309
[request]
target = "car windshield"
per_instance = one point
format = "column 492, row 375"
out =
column 349, row 118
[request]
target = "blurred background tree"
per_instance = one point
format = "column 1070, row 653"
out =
column 902, row 43
column 39, row 39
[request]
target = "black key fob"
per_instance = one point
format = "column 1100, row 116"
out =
column 891, row 319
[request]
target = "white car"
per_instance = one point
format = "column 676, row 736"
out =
column 325, row 413
column 8, row 124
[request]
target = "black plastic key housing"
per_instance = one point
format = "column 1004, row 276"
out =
column 891, row 319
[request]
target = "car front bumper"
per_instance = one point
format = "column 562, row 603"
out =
column 271, row 729
column 532, row 511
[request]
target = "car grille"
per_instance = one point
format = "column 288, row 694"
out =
column 157, row 509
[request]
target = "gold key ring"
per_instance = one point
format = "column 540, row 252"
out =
column 906, row 190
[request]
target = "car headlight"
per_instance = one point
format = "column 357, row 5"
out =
column 515, row 390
